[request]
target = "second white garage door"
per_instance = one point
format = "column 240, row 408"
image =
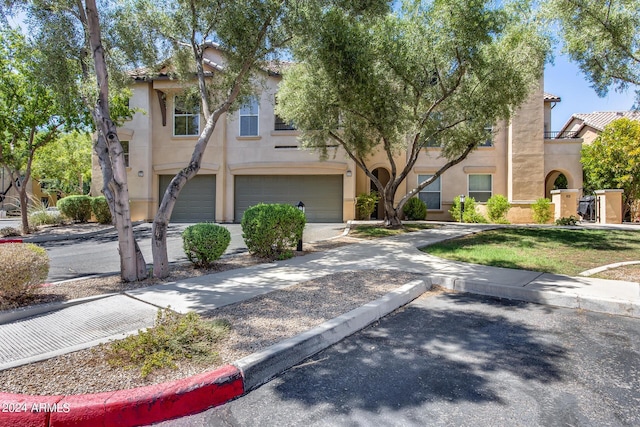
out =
column 321, row 194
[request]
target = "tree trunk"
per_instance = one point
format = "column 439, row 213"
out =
column 24, row 203
column 132, row 263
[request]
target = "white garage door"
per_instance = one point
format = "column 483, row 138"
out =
column 321, row 194
column 197, row 199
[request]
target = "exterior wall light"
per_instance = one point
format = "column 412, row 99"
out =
column 140, row 174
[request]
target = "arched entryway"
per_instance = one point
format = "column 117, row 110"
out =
column 383, row 176
column 557, row 180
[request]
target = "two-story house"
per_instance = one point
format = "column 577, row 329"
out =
column 253, row 157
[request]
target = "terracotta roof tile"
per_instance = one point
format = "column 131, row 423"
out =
column 599, row 119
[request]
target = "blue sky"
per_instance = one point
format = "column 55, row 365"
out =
column 564, row 79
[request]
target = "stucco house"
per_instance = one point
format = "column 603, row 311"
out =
column 253, row 156
column 588, row 126
column 9, row 193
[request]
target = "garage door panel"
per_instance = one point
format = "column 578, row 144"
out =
column 197, row 199
column 321, row 194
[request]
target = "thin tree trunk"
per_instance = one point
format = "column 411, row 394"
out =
column 131, row 261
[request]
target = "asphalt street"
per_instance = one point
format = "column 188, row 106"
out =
column 98, row 254
column 458, row 360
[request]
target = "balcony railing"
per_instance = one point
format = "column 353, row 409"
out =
column 561, row 135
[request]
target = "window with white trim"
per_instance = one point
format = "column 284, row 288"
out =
column 249, row 118
column 431, row 195
column 480, row 187
column 186, row 116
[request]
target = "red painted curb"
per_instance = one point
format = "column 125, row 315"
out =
column 124, row 408
column 10, row 241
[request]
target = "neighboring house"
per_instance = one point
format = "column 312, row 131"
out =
column 253, row 156
column 588, row 126
column 9, row 193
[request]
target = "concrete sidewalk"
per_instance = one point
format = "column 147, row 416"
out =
column 28, row 339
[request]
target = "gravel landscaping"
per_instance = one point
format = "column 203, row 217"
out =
column 255, row 324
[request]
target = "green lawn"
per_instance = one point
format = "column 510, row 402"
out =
column 552, row 250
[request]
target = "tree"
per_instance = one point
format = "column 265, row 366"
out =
column 613, row 160
column 602, row 37
column 68, row 32
column 64, row 166
column 30, row 116
column 433, row 72
column 249, row 33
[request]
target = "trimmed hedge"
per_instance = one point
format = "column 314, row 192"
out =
column 204, row 243
column 23, row 268
column 100, row 209
column 415, row 209
column 77, row 208
column 272, row 230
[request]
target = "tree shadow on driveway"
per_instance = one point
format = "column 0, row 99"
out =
column 452, row 349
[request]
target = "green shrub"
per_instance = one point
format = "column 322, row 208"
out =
column 204, row 243
column 366, row 204
column 415, row 209
column 571, row 220
column 497, row 208
column 272, row 230
column 542, row 211
column 100, row 209
column 470, row 213
column 174, row 337
column 23, row 268
column 77, row 208
column 9, row 232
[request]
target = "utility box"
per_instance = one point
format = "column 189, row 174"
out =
column 609, row 206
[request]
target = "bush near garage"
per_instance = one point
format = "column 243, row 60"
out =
column 366, row 204
column 76, row 208
column 415, row 209
column 100, row 209
column 23, row 268
column 205, row 243
column 272, row 230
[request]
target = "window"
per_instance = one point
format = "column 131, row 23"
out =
column 431, row 194
column 280, row 124
column 186, row 117
column 488, row 142
column 125, row 150
column 249, row 118
column 480, row 187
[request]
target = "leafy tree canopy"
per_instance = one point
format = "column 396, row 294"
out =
column 602, row 37
column 613, row 160
column 433, row 72
column 65, row 165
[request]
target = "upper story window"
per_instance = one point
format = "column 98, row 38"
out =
column 480, row 187
column 488, row 142
column 186, row 117
column 249, row 114
column 280, row 124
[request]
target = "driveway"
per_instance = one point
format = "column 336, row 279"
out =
column 458, row 360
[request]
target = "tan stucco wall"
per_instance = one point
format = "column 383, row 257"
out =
column 609, row 206
column 526, row 151
column 565, row 203
column 518, row 162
